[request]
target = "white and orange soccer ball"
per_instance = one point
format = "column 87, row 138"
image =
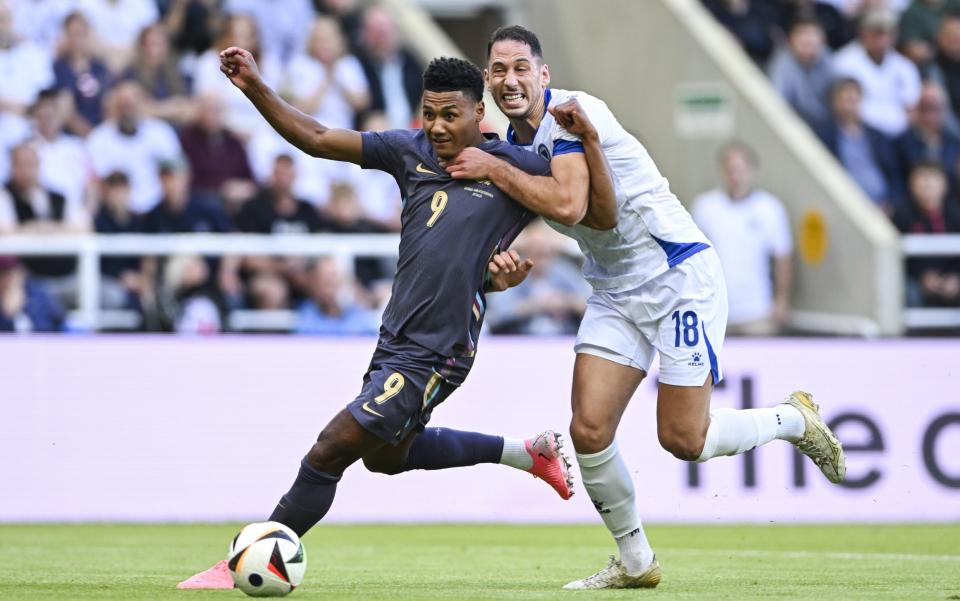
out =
column 266, row 559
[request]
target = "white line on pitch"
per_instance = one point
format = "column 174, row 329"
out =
column 814, row 554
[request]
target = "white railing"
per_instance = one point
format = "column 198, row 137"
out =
column 89, row 249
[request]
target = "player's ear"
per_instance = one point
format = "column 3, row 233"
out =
column 480, row 110
column 486, row 76
column 545, row 75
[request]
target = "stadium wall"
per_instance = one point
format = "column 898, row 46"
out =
column 212, row 429
column 679, row 81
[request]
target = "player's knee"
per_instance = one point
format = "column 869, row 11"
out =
column 589, row 436
column 378, row 465
column 685, row 445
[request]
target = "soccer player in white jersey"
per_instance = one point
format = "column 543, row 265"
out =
column 657, row 288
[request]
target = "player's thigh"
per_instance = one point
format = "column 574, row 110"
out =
column 689, row 337
column 613, row 357
column 341, row 443
column 403, row 385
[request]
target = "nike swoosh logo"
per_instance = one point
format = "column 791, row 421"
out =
column 366, row 407
column 422, row 169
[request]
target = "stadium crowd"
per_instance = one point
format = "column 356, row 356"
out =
column 115, row 118
column 878, row 81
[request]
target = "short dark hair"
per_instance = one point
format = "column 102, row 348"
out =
column 928, row 165
column 446, row 74
column 804, row 21
column 517, row 33
column 844, row 82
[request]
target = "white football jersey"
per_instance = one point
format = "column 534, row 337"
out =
column 654, row 231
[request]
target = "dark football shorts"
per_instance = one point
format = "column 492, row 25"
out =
column 403, row 384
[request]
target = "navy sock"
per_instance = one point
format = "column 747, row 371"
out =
column 307, row 501
column 440, row 448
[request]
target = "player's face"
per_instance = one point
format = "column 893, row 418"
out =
column 451, row 121
column 516, row 79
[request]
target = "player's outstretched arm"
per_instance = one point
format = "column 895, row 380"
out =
column 602, row 210
column 299, row 129
column 562, row 196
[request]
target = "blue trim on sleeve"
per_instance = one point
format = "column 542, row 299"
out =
column 678, row 252
column 714, row 364
column 566, row 147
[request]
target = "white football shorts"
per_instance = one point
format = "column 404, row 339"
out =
column 682, row 314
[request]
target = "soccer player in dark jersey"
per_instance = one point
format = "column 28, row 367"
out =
column 451, row 231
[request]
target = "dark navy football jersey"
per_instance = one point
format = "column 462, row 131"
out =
column 450, row 230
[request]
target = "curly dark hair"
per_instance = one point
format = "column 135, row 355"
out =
column 447, row 74
column 516, row 33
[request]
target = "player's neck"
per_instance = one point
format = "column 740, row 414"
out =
column 525, row 129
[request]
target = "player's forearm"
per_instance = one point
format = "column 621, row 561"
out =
column 296, row 127
column 602, row 210
column 782, row 278
column 541, row 194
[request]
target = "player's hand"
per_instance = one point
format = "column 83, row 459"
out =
column 571, row 117
column 507, row 270
column 240, row 68
column 471, row 163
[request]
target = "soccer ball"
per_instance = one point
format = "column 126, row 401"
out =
column 266, row 559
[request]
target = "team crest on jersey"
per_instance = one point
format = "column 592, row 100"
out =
column 544, row 152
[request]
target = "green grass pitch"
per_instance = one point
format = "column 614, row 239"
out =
column 444, row 562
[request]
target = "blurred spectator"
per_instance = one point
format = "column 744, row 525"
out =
column 919, row 25
column 346, row 213
column 275, row 210
column 24, row 304
column 932, row 281
column 377, row 190
column 269, row 292
column 191, row 305
column 331, row 309
column 552, row 299
column 65, row 166
column 947, row 63
column 750, row 229
column 155, row 68
column 14, row 129
column 121, row 282
column 134, row 144
column 241, row 116
column 838, row 28
column 116, row 25
column 348, row 15
column 27, row 207
column 890, row 82
column 40, row 21
column 24, row 67
column 82, row 76
column 751, row 22
column 393, row 75
column 802, row 72
column 326, row 82
column 180, row 212
column 192, row 24
column 868, row 156
column 218, row 160
column 928, row 139
column 283, row 23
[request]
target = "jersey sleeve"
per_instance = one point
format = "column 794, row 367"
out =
column 528, row 162
column 565, row 142
column 383, row 150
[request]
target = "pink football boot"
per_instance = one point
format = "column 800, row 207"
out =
column 217, row 577
column 549, row 462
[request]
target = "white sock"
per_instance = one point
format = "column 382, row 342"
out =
column 515, row 454
column 610, row 487
column 735, row 431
